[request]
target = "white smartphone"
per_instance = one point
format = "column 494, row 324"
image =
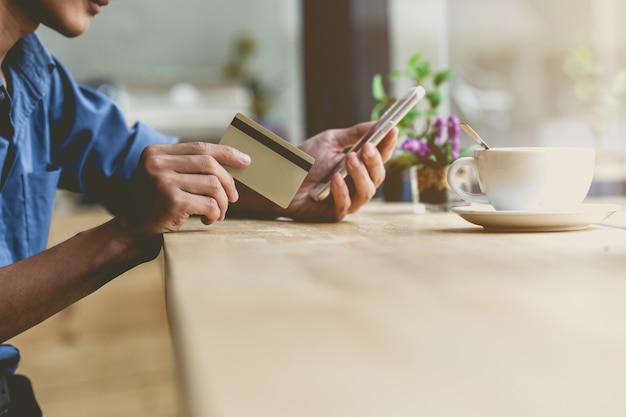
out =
column 386, row 122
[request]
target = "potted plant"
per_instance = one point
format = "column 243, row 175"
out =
column 428, row 141
column 600, row 94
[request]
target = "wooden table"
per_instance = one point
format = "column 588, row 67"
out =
column 393, row 314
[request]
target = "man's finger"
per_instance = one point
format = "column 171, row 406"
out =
column 225, row 155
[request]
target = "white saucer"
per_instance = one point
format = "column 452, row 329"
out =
column 577, row 218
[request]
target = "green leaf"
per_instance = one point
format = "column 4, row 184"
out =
column 443, row 76
column 404, row 125
column 412, row 115
column 422, row 70
column 378, row 89
column 377, row 110
column 414, row 61
column 394, row 75
column 434, row 97
column 418, row 114
column 417, row 68
column 580, row 63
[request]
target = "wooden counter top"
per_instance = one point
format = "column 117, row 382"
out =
column 391, row 313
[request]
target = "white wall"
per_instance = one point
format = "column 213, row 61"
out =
column 142, row 42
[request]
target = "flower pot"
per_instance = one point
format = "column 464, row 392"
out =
column 431, row 191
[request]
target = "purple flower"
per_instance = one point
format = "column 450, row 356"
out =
column 417, row 146
column 440, row 145
column 438, row 127
column 454, row 128
column 438, row 130
column 456, row 147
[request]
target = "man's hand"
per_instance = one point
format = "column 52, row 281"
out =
column 366, row 172
column 173, row 182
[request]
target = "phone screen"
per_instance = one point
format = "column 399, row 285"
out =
column 386, row 122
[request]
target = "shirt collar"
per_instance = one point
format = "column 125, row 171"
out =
column 30, row 57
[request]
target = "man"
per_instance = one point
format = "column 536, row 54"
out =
column 56, row 133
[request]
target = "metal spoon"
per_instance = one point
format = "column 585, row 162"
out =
column 467, row 129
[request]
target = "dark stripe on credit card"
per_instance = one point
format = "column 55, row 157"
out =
column 268, row 142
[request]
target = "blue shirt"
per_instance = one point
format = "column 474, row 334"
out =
column 9, row 359
column 55, row 133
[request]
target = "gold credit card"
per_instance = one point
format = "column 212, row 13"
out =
column 278, row 168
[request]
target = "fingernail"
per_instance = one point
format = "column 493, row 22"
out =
column 368, row 150
column 353, row 160
column 245, row 158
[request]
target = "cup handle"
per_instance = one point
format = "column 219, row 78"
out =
column 455, row 167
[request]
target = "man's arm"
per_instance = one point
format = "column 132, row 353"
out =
column 40, row 286
column 171, row 183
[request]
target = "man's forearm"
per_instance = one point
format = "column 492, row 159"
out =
column 38, row 287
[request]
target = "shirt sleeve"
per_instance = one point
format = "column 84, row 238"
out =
column 9, row 359
column 91, row 142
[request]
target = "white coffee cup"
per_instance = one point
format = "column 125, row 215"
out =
column 530, row 178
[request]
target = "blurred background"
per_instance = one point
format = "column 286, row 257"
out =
column 213, row 58
column 301, row 66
